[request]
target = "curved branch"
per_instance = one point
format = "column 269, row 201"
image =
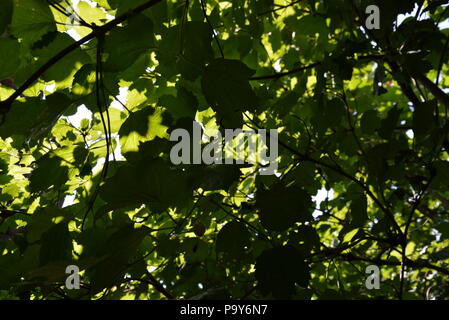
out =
column 212, row 28
column 408, row 263
column 434, row 89
column 313, row 65
column 286, row 73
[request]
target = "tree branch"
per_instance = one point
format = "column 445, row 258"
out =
column 211, row 28
column 155, row 284
column 408, row 263
column 406, row 88
column 286, row 73
column 311, row 66
column 434, row 89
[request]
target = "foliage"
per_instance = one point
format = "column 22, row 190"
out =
column 361, row 114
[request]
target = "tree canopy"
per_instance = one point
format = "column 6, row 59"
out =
column 361, row 116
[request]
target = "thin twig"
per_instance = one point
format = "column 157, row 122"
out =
column 212, row 28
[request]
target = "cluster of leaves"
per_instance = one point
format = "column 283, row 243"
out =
column 359, row 113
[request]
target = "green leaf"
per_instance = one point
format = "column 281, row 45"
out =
column 50, row 171
column 306, row 237
column 335, row 111
column 6, row 8
column 328, row 113
column 423, row 117
column 369, row 122
column 280, row 207
column 63, row 71
column 118, row 250
column 9, row 57
column 226, row 87
column 279, row 269
column 195, row 250
column 9, row 275
column 167, row 247
column 31, row 20
column 311, row 24
column 116, row 118
column 182, row 106
column 141, row 126
column 214, row 177
column 45, row 219
column 150, row 181
column 90, row 14
column 359, row 211
column 34, row 118
column 416, row 65
column 441, row 178
column 348, row 236
column 124, row 45
column 443, row 228
column 233, row 239
column 389, row 123
column 56, row 245
column 185, row 49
